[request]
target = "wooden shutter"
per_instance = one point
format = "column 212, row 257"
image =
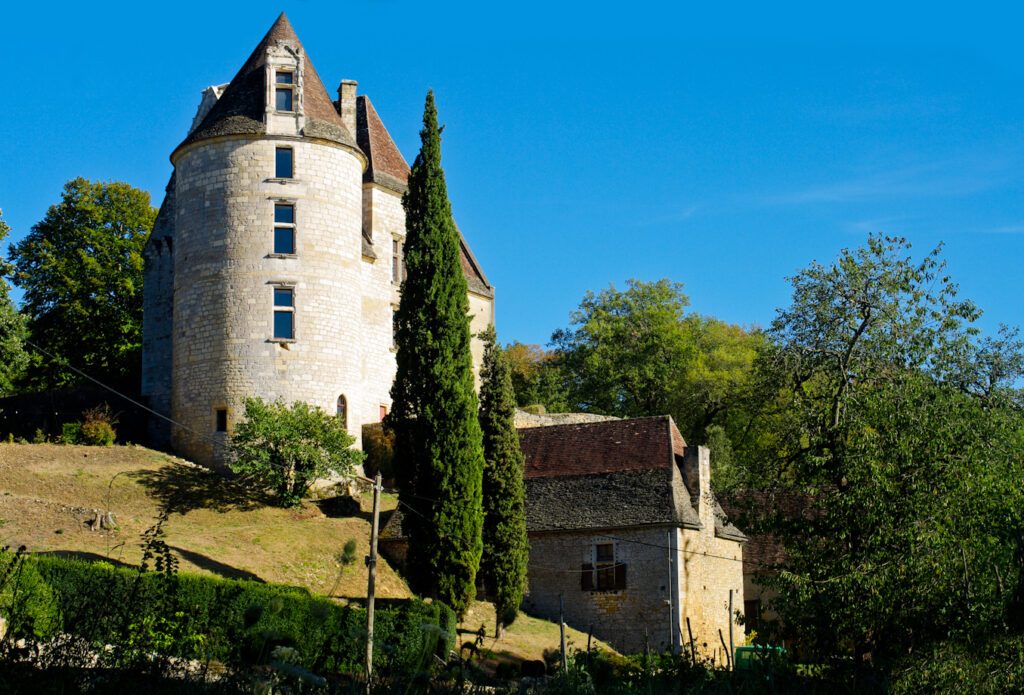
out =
column 620, row 576
column 587, row 578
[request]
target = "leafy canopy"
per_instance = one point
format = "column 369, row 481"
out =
column 438, row 445
column 12, row 330
column 287, row 448
column 81, row 270
column 895, row 429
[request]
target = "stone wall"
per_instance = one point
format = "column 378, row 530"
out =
column 225, row 273
column 629, row 619
column 709, row 568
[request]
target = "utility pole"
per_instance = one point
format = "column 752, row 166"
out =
column 732, row 647
column 561, row 627
column 371, row 579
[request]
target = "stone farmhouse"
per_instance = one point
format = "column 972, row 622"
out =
column 626, row 535
column 275, row 263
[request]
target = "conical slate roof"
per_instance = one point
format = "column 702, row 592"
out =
column 386, row 166
column 240, row 110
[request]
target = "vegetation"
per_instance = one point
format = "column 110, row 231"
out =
column 12, row 329
column 898, row 426
column 288, row 448
column 536, row 378
column 438, row 443
column 81, row 270
column 506, row 547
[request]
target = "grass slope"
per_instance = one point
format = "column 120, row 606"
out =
column 48, row 492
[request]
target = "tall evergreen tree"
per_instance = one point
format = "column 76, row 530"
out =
column 438, row 444
column 506, row 547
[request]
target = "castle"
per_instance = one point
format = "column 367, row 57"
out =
column 275, row 263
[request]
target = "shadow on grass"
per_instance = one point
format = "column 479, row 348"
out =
column 181, row 489
column 211, row 565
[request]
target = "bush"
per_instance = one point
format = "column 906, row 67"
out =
column 379, row 447
column 288, row 448
column 241, row 622
column 98, row 426
column 71, row 433
column 26, row 601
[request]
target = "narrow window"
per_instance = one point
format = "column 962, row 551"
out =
column 284, row 165
column 284, row 228
column 284, row 91
column 221, row 420
column 604, row 564
column 284, row 313
column 383, row 411
column 396, row 262
column 343, row 410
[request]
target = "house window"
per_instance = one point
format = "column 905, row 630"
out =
column 396, row 261
column 284, row 165
column 220, row 420
column 343, row 411
column 383, row 412
column 604, row 573
column 284, row 92
column 284, row 313
column 284, row 228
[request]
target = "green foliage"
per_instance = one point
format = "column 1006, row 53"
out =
column 26, row 602
column 236, row 622
column 81, row 270
column 71, row 433
column 896, row 426
column 637, row 352
column 97, row 427
column 287, row 448
column 506, row 548
column 438, row 445
column 992, row 667
column 536, row 377
column 12, row 329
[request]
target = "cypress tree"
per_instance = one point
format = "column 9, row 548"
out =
column 506, row 548
column 438, row 444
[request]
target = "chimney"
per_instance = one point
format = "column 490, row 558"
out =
column 347, row 104
column 697, row 472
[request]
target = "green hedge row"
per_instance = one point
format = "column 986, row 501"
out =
column 232, row 621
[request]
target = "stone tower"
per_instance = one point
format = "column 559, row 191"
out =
column 275, row 263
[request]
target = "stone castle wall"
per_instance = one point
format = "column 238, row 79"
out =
column 158, row 320
column 225, row 273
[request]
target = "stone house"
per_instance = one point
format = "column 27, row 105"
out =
column 626, row 534
column 275, row 263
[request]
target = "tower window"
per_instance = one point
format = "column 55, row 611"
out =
column 284, row 165
column 284, row 92
column 284, row 313
column 343, row 411
column 284, row 228
column 221, row 420
column 396, row 261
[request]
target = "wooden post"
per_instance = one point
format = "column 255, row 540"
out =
column 732, row 646
column 371, row 579
column 693, row 647
column 561, row 627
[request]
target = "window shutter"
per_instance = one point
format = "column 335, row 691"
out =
column 587, row 578
column 620, row 576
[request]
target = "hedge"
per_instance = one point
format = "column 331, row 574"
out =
column 237, row 621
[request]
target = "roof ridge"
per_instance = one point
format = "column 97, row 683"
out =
column 595, row 422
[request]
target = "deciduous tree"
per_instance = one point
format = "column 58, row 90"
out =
column 506, row 547
column 81, row 270
column 12, row 330
column 438, row 444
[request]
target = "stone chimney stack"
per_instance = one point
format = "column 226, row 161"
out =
column 697, row 469
column 347, row 104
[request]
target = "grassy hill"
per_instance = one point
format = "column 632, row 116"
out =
column 48, row 493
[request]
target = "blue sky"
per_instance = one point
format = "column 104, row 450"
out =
column 588, row 143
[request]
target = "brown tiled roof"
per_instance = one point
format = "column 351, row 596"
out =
column 386, row 166
column 598, row 447
column 240, row 110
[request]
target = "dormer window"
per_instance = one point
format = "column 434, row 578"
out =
column 284, row 92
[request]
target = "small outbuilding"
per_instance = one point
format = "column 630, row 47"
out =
column 627, row 539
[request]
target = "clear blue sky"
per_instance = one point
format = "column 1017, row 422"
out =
column 586, row 143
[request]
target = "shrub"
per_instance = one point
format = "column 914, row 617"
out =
column 379, row 447
column 98, row 426
column 71, row 433
column 26, row 602
column 288, row 448
column 241, row 622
